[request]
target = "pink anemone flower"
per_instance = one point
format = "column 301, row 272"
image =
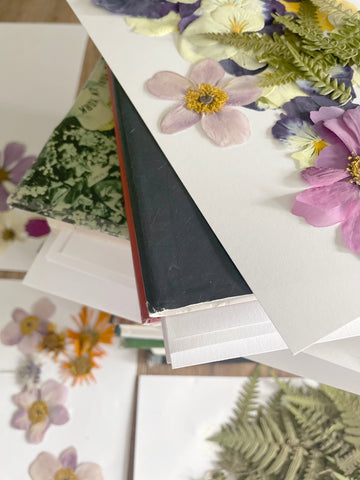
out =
column 26, row 330
column 207, row 97
column 334, row 196
column 39, row 408
column 48, row 467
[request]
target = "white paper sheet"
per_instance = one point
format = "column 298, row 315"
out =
column 305, row 279
column 40, row 72
column 86, row 279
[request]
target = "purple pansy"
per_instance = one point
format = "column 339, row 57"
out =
column 13, row 165
column 27, row 329
column 47, row 467
column 39, row 408
column 207, row 98
column 334, row 196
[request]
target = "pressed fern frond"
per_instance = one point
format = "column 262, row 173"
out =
column 335, row 8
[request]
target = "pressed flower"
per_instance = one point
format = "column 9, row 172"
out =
column 12, row 229
column 28, row 372
column 13, row 165
column 154, row 26
column 53, row 342
column 27, row 329
column 47, row 467
column 205, row 97
column 39, row 408
column 79, row 367
column 94, row 329
column 334, row 196
column 37, row 227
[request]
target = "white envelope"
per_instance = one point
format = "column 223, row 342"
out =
column 305, row 280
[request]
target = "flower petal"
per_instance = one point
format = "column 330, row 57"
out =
column 89, row 471
column 29, row 343
column 37, row 227
column 168, row 85
column 243, row 90
column 350, row 229
column 324, row 206
column 43, row 308
column 10, row 334
column 226, row 127
column 207, row 71
column 19, row 315
column 21, row 420
column 325, row 113
column 68, row 458
column 318, row 177
column 17, row 173
column 54, row 393
column 44, row 467
column 347, row 130
column 179, row 118
column 333, row 156
column 26, row 398
column 36, row 432
column 59, row 415
column 13, row 153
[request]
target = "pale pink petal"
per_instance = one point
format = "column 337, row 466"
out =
column 59, row 415
column 44, row 467
column 17, row 173
column 324, row 206
column 43, row 308
column 226, row 127
column 168, row 85
column 54, row 393
column 345, row 129
column 179, row 118
column 26, row 398
column 68, row 458
column 36, row 432
column 21, row 420
column 333, row 156
column 352, row 121
column 19, row 315
column 325, row 113
column 350, row 229
column 89, row 471
column 13, row 153
column 207, row 71
column 29, row 343
column 243, row 90
column 10, row 334
column 318, row 177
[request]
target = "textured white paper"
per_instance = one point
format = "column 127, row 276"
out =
column 40, row 72
column 303, row 276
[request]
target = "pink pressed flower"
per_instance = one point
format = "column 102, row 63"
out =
column 37, row 227
column 205, row 97
column 48, row 467
column 13, row 165
column 39, row 408
column 335, row 180
column 26, row 330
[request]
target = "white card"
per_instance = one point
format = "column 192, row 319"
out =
column 306, row 282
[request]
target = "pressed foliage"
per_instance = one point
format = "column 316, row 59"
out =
column 302, row 432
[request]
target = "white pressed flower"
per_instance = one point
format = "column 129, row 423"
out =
column 154, row 27
column 12, row 228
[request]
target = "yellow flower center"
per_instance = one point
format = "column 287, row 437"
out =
column 319, row 145
column 81, row 366
column 206, row 98
column 8, row 234
column 28, row 325
column 65, row 474
column 38, row 411
column 52, row 341
column 237, row 27
column 89, row 338
column 354, row 169
column 4, row 175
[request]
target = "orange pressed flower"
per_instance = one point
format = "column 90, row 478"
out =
column 79, row 367
column 53, row 342
column 92, row 331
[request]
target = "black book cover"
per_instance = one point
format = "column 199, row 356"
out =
column 182, row 261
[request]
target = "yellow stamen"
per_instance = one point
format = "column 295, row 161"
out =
column 80, row 366
column 38, row 411
column 8, row 234
column 205, row 99
column 88, row 339
column 319, row 145
column 237, row 27
column 354, row 169
column 4, row 175
column 29, row 325
column 53, row 342
column 65, row 474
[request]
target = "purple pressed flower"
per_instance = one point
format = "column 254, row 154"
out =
column 47, row 467
column 335, row 179
column 37, row 227
column 13, row 165
column 39, row 408
column 205, row 97
column 26, row 330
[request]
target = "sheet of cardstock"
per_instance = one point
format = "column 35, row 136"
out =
column 40, row 72
column 176, row 415
column 305, row 280
column 80, row 281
